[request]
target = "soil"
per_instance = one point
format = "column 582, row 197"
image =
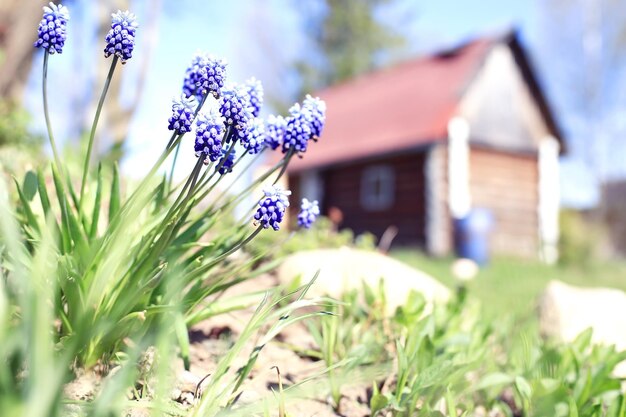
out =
column 212, row 338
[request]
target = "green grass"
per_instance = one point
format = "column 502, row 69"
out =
column 509, row 286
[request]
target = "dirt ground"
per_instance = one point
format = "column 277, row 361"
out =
column 211, row 340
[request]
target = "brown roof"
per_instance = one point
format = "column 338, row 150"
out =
column 403, row 107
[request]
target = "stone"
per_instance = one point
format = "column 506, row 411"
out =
column 566, row 311
column 346, row 269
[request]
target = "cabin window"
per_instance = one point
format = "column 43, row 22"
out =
column 377, row 188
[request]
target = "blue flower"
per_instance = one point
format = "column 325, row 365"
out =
column 298, row 130
column 227, row 166
column 316, row 114
column 235, row 107
column 254, row 138
column 52, row 31
column 275, row 131
column 254, row 88
column 209, row 131
column 272, row 207
column 206, row 74
column 182, row 115
column 121, row 38
column 309, row 210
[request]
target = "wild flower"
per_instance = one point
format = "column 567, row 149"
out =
column 254, row 138
column 209, row 131
column 121, row 37
column 205, row 75
column 298, row 130
column 254, row 89
column 235, row 107
column 309, row 210
column 52, row 31
column 226, row 162
column 182, row 117
column 275, row 131
column 316, row 114
column 272, row 207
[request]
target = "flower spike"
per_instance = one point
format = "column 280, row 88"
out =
column 52, row 31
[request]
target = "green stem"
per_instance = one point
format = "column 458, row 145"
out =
column 169, row 183
column 57, row 159
column 238, row 177
column 233, row 249
column 284, row 168
column 94, row 125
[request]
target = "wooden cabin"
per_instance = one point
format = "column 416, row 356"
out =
column 417, row 145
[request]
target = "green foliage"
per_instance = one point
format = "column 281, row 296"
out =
column 450, row 358
column 14, row 126
column 321, row 235
column 578, row 240
column 510, row 286
column 350, row 39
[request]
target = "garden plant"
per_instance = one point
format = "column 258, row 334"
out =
column 99, row 275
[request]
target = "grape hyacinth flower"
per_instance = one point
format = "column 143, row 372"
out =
column 309, row 210
column 227, row 164
column 275, row 131
column 182, row 115
column 52, row 31
column 206, row 74
column 235, row 107
column 298, row 130
column 254, row 138
column 209, row 131
column 316, row 113
column 272, row 207
column 254, row 88
column 121, row 38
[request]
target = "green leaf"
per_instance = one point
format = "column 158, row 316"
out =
column 30, row 185
column 523, row 387
column 114, row 202
column 494, row 380
column 450, row 403
column 183, row 338
column 573, row 409
column 95, row 217
column 28, row 212
column 71, row 227
column 43, row 192
column 378, row 401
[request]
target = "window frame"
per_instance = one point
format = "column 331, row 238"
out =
column 379, row 197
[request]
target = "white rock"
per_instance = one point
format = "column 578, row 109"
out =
column 566, row 311
column 345, row 269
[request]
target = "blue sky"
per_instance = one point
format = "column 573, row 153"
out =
column 262, row 38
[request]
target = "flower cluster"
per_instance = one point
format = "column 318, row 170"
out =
column 235, row 107
column 182, row 115
column 254, row 88
column 52, row 30
column 275, row 131
column 309, row 210
column 209, row 131
column 206, row 75
column 272, row 207
column 226, row 162
column 298, row 130
column 254, row 138
column 121, row 38
column 304, row 123
column 316, row 114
